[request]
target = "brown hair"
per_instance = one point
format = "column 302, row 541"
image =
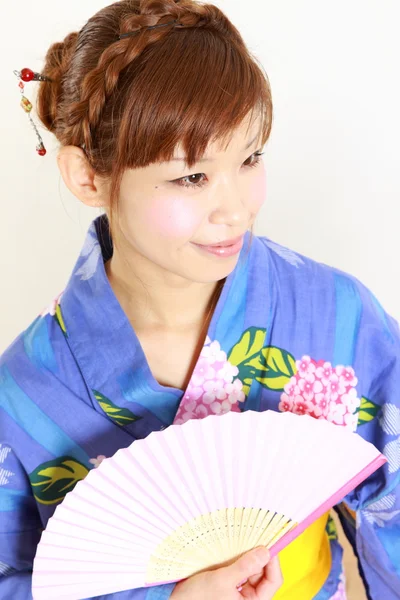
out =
column 129, row 102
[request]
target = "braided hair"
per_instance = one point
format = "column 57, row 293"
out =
column 128, row 102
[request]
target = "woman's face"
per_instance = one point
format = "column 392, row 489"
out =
column 181, row 220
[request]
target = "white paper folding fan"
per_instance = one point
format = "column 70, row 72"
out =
column 195, row 496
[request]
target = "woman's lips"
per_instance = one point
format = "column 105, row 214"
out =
column 224, row 249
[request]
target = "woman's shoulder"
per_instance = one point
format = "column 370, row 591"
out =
column 293, row 265
column 38, row 359
column 300, row 275
column 285, row 258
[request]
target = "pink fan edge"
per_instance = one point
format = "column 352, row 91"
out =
column 373, row 466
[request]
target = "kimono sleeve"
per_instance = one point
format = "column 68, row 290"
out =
column 371, row 514
column 20, row 531
column 22, row 519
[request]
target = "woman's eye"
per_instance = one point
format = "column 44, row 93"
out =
column 192, row 181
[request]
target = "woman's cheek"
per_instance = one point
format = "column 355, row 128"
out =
column 174, row 217
column 258, row 190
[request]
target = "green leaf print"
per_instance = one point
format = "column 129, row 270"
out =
column 52, row 480
column 248, row 348
column 59, row 318
column 121, row 416
column 331, row 529
column 367, row 411
column 276, row 368
column 270, row 366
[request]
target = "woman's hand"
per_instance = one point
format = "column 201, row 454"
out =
column 263, row 579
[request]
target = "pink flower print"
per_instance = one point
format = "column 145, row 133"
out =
column 214, row 390
column 351, row 421
column 317, row 412
column 292, row 388
column 227, row 372
column 213, row 353
column 323, row 392
column 324, row 373
column 179, row 420
column 321, row 404
column 226, row 406
column 186, row 416
column 97, row 461
column 216, row 408
column 346, row 376
column 202, row 371
column 286, row 403
column 201, row 411
column 301, row 406
column 220, row 408
column 351, row 401
column 335, row 387
column 309, row 387
column 317, row 387
column 235, row 391
column 305, row 366
column 193, row 393
column 190, row 405
column 336, row 413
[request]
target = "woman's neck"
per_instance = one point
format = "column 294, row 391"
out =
column 151, row 297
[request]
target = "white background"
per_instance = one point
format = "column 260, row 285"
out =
column 332, row 159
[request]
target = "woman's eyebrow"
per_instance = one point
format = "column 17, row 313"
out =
column 201, row 160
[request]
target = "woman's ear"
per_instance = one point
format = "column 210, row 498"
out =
column 81, row 179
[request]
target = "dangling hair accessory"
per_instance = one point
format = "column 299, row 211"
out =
column 25, row 76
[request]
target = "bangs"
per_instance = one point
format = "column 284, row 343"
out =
column 191, row 89
column 129, row 102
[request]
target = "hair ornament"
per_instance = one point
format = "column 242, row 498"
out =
column 25, row 76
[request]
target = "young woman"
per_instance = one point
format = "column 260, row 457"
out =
column 175, row 311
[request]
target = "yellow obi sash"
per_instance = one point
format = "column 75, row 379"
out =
column 306, row 563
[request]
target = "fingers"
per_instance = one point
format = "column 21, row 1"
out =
column 271, row 581
column 274, row 571
column 255, row 579
column 251, row 581
column 248, row 565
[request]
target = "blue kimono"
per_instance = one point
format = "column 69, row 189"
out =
column 287, row 334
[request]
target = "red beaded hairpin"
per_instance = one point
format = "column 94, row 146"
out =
column 25, row 76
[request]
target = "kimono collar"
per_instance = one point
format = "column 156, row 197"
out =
column 103, row 341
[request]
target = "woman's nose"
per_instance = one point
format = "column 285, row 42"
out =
column 231, row 208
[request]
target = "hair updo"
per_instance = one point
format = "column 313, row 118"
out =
column 129, row 102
